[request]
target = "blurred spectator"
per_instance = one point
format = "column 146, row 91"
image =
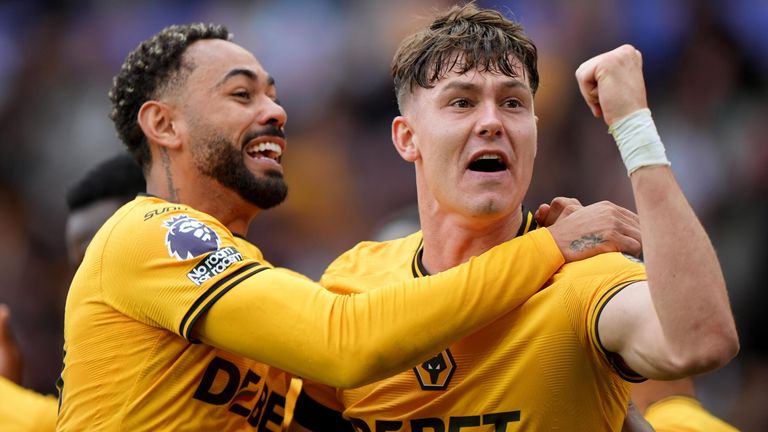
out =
column 709, row 66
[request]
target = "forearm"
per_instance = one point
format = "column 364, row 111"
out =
column 684, row 276
column 350, row 340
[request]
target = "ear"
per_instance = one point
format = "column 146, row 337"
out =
column 403, row 139
column 159, row 125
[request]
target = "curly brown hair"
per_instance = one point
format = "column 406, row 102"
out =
column 462, row 39
column 154, row 67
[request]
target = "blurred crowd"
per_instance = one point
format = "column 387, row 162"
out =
column 706, row 64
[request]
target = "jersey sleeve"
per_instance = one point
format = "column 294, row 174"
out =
column 168, row 270
column 684, row 414
column 25, row 410
column 597, row 281
column 349, row 340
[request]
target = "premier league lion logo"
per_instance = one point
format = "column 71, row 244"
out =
column 188, row 237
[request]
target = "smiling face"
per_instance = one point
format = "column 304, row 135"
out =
column 234, row 121
column 472, row 138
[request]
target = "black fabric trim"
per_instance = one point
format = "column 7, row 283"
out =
column 417, row 268
column 211, row 290
column 317, row 417
column 420, row 261
column 524, row 222
column 210, row 303
column 617, row 363
column 534, row 223
column 417, row 264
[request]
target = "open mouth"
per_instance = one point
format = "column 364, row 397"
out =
column 265, row 150
column 488, row 163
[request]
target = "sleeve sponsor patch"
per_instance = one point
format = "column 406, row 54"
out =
column 214, row 264
column 188, row 238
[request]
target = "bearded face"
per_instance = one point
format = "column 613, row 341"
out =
column 219, row 158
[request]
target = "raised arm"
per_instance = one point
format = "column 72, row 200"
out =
column 679, row 322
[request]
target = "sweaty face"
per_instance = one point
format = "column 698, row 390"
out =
column 474, row 137
column 235, row 122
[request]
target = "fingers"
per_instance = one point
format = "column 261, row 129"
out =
column 559, row 207
column 612, row 83
column 541, row 214
column 587, row 81
column 582, row 232
column 619, row 227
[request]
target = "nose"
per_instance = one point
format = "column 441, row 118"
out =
column 489, row 124
column 273, row 113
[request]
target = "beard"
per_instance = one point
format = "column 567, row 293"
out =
column 218, row 158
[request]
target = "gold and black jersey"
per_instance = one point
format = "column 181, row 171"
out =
column 539, row 367
column 25, row 410
column 151, row 271
column 684, row 414
column 156, row 269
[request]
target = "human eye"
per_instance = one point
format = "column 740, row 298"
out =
column 460, row 103
column 513, row 103
column 242, row 94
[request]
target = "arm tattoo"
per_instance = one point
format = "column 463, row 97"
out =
column 168, row 176
column 586, row 242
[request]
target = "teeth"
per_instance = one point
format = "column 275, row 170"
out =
column 265, row 146
column 489, row 156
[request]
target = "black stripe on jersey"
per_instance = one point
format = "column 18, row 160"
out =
column 614, row 359
column 527, row 224
column 417, row 265
column 317, row 417
column 186, row 323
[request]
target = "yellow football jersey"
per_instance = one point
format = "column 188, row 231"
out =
column 148, row 274
column 25, row 410
column 539, row 367
column 684, row 414
column 155, row 268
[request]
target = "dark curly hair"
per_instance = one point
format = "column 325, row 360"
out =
column 154, row 67
column 462, row 39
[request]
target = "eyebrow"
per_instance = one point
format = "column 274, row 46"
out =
column 251, row 75
column 468, row 86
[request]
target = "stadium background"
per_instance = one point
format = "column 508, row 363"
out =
column 706, row 63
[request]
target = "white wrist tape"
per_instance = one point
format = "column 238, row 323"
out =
column 638, row 141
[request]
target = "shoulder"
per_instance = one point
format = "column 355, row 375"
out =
column 150, row 225
column 373, row 260
column 605, row 264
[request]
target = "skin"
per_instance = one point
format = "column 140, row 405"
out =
column 679, row 322
column 230, row 89
column 656, row 326
column 488, row 114
column 469, row 211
